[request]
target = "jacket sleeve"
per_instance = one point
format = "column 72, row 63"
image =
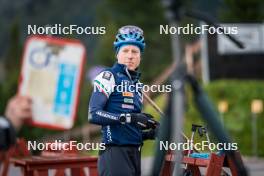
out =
column 7, row 133
column 103, row 86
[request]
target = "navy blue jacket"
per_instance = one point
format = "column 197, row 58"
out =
column 111, row 98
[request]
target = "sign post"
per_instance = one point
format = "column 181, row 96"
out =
column 222, row 108
column 256, row 108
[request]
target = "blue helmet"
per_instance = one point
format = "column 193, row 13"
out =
column 130, row 35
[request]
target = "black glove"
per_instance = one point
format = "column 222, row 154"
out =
column 143, row 120
column 150, row 134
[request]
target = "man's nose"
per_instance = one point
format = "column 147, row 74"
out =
column 129, row 55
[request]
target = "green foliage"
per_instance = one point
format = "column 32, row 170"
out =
column 149, row 145
column 242, row 11
column 82, row 114
column 12, row 60
column 239, row 95
column 9, row 87
column 116, row 13
column 237, row 120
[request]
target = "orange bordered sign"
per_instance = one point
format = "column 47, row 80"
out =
column 51, row 75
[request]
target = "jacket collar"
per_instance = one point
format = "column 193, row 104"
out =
column 133, row 75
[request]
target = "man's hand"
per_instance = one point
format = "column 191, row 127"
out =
column 18, row 109
column 150, row 133
column 143, row 120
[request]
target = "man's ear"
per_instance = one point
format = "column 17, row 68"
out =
column 117, row 56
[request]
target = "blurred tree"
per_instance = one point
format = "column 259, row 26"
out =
column 49, row 12
column 12, row 59
column 149, row 16
column 246, row 11
column 12, row 65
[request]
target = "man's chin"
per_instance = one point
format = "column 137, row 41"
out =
column 131, row 68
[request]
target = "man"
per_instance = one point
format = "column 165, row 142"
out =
column 119, row 112
column 17, row 111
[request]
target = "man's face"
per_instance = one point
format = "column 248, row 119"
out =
column 129, row 55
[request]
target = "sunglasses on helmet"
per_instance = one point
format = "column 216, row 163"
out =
column 130, row 29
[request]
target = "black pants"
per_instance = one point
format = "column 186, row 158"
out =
column 120, row 161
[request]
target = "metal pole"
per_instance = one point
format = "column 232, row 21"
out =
column 178, row 99
column 222, row 118
column 177, row 121
column 204, row 58
column 156, row 107
column 254, row 135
